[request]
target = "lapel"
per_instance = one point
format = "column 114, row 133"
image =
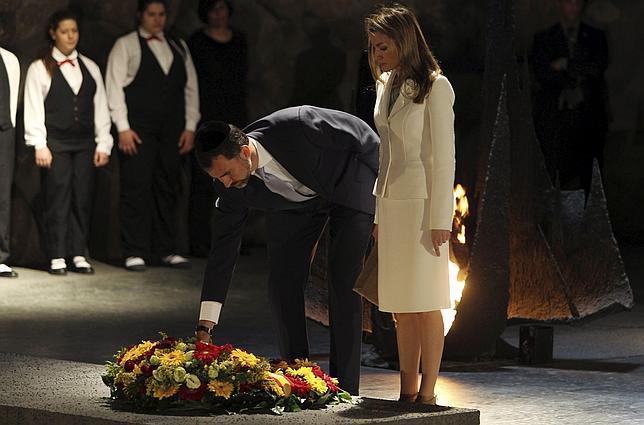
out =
column 383, row 105
column 400, row 102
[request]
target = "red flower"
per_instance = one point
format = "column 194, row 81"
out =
column 208, row 353
column 167, row 342
column 298, row 386
column 327, row 379
column 146, row 369
column 329, row 383
column 186, row 393
column 129, row 366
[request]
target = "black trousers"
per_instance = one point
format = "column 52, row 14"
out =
column 150, row 182
column 7, row 161
column 291, row 237
column 68, row 192
column 200, row 210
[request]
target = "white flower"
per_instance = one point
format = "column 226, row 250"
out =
column 179, row 375
column 213, row 372
column 192, row 381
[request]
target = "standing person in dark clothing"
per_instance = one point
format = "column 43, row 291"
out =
column 569, row 60
column 220, row 55
column 9, row 82
column 153, row 96
column 68, row 124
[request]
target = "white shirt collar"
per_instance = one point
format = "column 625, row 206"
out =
column 146, row 34
column 263, row 157
column 59, row 56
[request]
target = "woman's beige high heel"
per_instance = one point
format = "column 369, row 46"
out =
column 426, row 399
column 408, row 398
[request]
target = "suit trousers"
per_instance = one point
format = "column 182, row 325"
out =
column 200, row 210
column 7, row 162
column 150, row 183
column 68, row 191
column 291, row 238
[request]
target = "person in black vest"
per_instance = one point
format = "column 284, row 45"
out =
column 305, row 167
column 68, row 123
column 154, row 101
column 220, row 54
column 9, row 82
column 569, row 62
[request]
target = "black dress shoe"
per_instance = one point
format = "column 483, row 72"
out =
column 83, row 270
column 9, row 274
column 59, row 272
column 136, row 268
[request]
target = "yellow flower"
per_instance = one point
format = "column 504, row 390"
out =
column 137, row 351
column 172, row 359
column 164, row 391
column 243, row 358
column 221, row 389
column 137, row 369
column 317, row 384
column 276, row 383
column 125, row 378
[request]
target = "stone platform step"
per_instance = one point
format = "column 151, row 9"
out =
column 44, row 391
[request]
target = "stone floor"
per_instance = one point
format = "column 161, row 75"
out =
column 596, row 379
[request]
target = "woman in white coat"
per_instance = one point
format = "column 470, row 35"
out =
column 414, row 202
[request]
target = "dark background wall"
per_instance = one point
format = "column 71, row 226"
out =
column 307, row 51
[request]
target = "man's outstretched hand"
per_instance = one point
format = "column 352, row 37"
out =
column 202, row 335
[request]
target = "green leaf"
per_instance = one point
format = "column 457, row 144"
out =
column 107, row 380
column 345, row 397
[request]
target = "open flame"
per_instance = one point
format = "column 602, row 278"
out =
column 456, row 275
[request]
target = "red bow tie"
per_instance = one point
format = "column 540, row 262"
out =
column 153, row 37
column 69, row 61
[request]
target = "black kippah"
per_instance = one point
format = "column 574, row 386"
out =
column 211, row 134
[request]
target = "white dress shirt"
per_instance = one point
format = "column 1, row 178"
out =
column 271, row 166
column 123, row 64
column 37, row 85
column 13, row 72
column 210, row 310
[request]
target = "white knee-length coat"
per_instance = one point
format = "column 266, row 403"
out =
column 413, row 196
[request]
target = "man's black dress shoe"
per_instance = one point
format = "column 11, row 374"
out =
column 83, row 270
column 59, row 272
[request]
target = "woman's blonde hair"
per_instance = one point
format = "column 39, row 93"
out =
column 417, row 63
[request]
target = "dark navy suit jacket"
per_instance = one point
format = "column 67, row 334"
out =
column 331, row 152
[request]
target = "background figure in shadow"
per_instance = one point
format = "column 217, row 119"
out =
column 569, row 61
column 319, row 70
column 9, row 82
column 220, row 55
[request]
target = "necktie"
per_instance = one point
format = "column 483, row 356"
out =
column 279, row 186
column 152, row 37
column 69, row 61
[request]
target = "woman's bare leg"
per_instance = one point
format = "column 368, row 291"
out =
column 408, row 338
column 431, row 342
